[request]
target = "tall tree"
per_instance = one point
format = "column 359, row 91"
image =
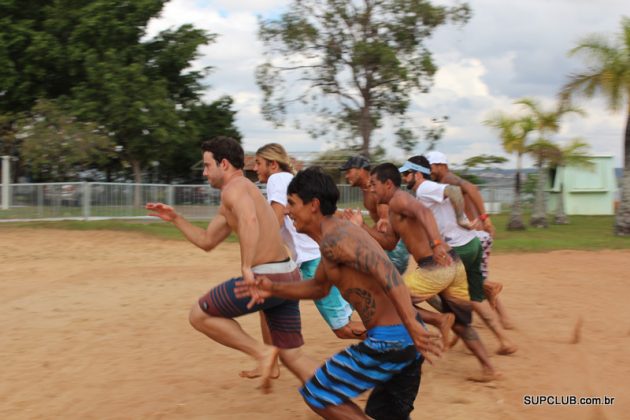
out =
column 542, row 150
column 351, row 62
column 57, row 147
column 547, row 123
column 608, row 74
column 95, row 57
column 514, row 133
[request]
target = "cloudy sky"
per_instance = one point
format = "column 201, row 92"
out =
column 508, row 50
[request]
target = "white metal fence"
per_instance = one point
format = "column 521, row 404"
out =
column 96, row 200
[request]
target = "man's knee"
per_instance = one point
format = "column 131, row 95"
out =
column 197, row 316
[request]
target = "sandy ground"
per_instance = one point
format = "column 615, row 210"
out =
column 94, row 326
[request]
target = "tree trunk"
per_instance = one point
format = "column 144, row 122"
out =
column 137, row 177
column 516, row 215
column 365, row 128
column 561, row 216
column 622, row 221
column 539, row 214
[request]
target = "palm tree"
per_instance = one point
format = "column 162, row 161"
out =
column 573, row 154
column 514, row 134
column 543, row 151
column 547, row 123
column 609, row 74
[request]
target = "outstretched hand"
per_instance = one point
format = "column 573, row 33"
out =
column 163, row 211
column 354, row 216
column 428, row 343
column 258, row 288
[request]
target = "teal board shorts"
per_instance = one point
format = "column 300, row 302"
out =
column 335, row 310
column 399, row 256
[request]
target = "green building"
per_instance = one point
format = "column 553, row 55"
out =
column 589, row 190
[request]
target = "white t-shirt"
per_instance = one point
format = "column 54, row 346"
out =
column 431, row 194
column 301, row 245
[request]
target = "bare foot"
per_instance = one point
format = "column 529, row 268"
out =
column 486, row 376
column 446, row 323
column 491, row 290
column 507, row 349
column 255, row 373
column 266, row 367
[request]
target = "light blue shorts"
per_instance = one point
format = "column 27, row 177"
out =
column 400, row 257
column 334, row 308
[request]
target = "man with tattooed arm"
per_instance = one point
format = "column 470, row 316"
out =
column 389, row 359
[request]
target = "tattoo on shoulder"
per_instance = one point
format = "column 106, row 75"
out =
column 363, row 302
column 330, row 246
column 368, row 258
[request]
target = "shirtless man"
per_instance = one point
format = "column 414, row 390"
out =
column 388, row 360
column 273, row 167
column 244, row 211
column 358, row 175
column 446, row 202
column 440, row 270
column 476, row 212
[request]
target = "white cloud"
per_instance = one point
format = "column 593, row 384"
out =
column 509, row 49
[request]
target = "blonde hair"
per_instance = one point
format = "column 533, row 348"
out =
column 274, row 152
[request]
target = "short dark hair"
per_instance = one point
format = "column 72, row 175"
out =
column 422, row 161
column 223, row 147
column 386, row 171
column 313, row 183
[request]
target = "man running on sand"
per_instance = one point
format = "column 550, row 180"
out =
column 440, row 270
column 484, row 229
column 387, row 361
column 446, row 202
column 357, row 170
column 273, row 168
column 244, row 211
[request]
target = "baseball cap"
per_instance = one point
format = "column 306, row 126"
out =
column 357, row 161
column 436, row 158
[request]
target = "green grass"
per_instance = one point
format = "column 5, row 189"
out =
column 583, row 232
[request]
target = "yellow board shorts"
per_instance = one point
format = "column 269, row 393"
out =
column 430, row 279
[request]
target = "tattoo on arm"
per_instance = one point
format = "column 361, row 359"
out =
column 370, row 261
column 364, row 303
column 457, row 199
column 365, row 258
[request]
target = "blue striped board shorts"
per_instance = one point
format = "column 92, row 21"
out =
column 386, row 361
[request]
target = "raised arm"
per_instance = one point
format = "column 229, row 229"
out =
column 207, row 240
column 471, row 191
column 454, row 193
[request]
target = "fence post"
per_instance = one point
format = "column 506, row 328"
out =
column 86, row 187
column 40, row 200
column 170, row 195
column 6, row 180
